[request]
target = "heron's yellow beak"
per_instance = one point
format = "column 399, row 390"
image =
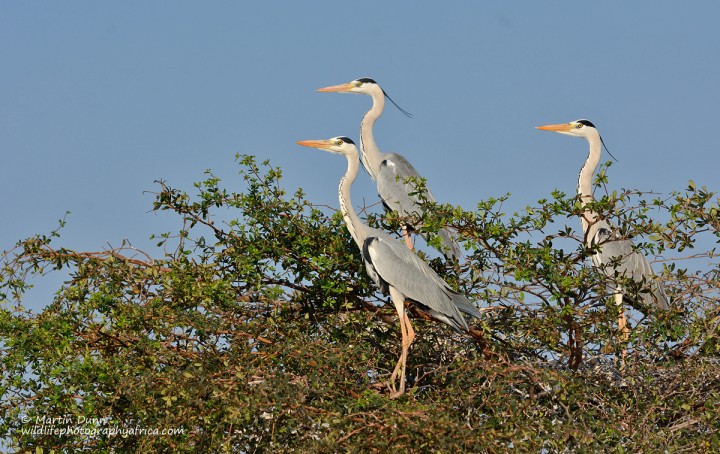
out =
column 564, row 127
column 342, row 88
column 314, row 143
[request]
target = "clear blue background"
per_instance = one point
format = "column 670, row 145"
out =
column 99, row 99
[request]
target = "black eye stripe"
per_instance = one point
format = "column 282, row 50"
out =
column 586, row 123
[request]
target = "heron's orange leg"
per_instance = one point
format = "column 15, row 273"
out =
column 622, row 325
column 410, row 330
column 408, row 240
column 401, row 366
column 408, row 335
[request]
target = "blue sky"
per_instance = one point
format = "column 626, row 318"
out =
column 99, row 100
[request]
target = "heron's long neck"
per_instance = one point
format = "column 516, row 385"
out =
column 585, row 182
column 354, row 225
column 369, row 151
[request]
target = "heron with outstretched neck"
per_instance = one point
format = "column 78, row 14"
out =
column 392, row 172
column 395, row 269
column 615, row 256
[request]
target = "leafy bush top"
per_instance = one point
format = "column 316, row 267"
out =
column 258, row 330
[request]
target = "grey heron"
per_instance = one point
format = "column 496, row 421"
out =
column 392, row 171
column 616, row 256
column 393, row 268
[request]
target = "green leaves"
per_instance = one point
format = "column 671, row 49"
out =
column 255, row 328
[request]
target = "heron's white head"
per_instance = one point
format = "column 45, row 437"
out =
column 339, row 145
column 364, row 85
column 577, row 128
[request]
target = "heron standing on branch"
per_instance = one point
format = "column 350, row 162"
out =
column 393, row 268
column 392, row 172
column 616, row 256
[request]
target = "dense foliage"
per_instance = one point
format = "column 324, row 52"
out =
column 257, row 330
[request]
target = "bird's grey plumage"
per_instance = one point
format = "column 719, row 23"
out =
column 397, row 182
column 388, row 262
column 396, row 265
column 393, row 268
column 617, row 257
column 391, row 171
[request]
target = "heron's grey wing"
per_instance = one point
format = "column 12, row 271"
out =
column 451, row 249
column 395, row 191
column 617, row 255
column 394, row 188
column 401, row 268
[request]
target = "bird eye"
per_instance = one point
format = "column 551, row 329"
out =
column 338, row 142
column 578, row 125
column 358, row 83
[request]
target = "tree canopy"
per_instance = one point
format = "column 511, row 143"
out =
column 256, row 329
